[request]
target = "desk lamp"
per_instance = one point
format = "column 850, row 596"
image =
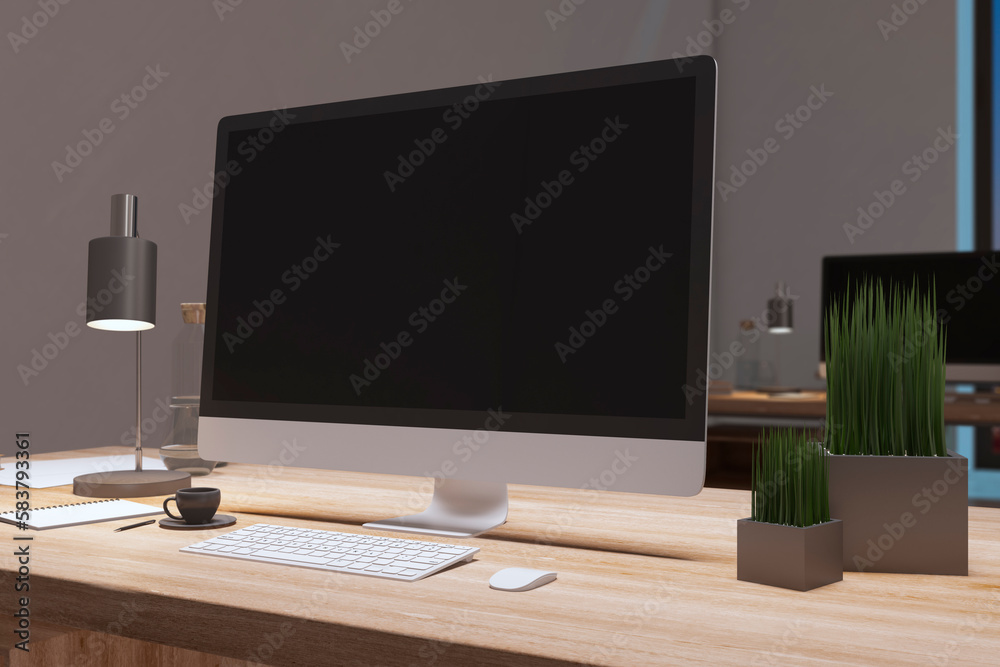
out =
column 781, row 306
column 779, row 321
column 121, row 296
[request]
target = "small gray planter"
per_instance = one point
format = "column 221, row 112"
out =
column 788, row 556
column 907, row 514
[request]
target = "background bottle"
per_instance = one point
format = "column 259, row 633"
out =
column 186, row 380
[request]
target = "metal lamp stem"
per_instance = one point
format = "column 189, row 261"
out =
column 138, row 401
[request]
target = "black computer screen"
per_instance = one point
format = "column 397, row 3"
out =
column 530, row 253
column 965, row 285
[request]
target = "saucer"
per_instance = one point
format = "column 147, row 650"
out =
column 218, row 521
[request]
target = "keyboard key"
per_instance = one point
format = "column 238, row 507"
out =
column 453, row 552
column 295, row 558
column 357, row 566
column 413, row 566
column 409, row 573
column 392, row 570
column 373, row 568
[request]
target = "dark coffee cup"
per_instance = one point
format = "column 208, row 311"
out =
column 197, row 505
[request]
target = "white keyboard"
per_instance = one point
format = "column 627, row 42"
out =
column 392, row 558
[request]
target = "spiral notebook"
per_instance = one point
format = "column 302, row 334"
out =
column 78, row 514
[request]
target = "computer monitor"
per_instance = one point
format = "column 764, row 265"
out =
column 499, row 282
column 967, row 291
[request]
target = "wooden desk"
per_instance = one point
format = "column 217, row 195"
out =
column 958, row 408
column 643, row 580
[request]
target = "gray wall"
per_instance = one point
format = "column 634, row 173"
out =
column 64, row 80
column 890, row 96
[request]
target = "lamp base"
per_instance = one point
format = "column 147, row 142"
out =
column 130, row 483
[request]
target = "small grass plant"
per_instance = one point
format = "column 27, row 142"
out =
column 790, row 480
column 885, row 362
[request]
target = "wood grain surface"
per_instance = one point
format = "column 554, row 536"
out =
column 643, row 580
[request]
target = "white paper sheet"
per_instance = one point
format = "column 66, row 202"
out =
column 46, row 474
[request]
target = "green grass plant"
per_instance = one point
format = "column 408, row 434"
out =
column 790, row 480
column 885, row 361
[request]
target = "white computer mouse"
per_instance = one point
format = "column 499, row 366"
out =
column 520, row 579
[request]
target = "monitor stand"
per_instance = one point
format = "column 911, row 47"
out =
column 459, row 508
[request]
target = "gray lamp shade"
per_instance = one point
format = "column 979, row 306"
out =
column 780, row 308
column 121, row 275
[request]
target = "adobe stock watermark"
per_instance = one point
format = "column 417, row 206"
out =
column 958, row 297
column 914, row 168
column 272, row 641
column 923, row 502
column 122, row 107
column 265, row 476
column 363, row 35
column 588, row 494
column 561, row 13
column 161, row 413
column 786, row 126
column 973, row 624
column 434, row 649
column 463, row 449
column 454, row 117
column 697, row 43
column 963, row 292
column 96, row 643
column 319, row 598
column 626, row 286
column 581, row 158
column 60, row 340
column 662, row 594
column 420, row 320
column 724, row 361
column 898, row 17
column 294, row 276
column 779, row 649
column 223, row 7
column 584, row 497
column 31, row 24
column 248, row 150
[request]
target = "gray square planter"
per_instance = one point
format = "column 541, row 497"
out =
column 788, row 556
column 907, row 514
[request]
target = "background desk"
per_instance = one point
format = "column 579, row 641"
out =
column 643, row 580
column 735, row 421
column 959, row 409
